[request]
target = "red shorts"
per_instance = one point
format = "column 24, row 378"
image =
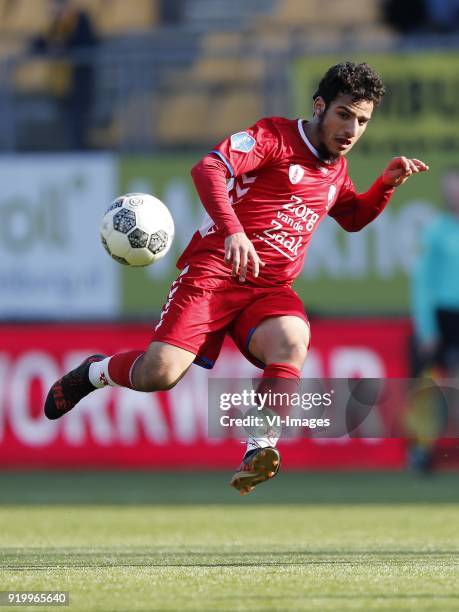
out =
column 197, row 318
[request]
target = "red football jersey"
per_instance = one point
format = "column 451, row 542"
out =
column 280, row 190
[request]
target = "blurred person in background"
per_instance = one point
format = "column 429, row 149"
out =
column 442, row 15
column 171, row 13
column 417, row 16
column 435, row 301
column 405, row 16
column 70, row 40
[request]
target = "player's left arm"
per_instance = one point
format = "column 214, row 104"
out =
column 399, row 169
column 353, row 211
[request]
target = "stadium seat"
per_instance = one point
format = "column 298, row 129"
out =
column 120, row 17
column 182, row 117
column 291, row 13
column 308, row 14
column 23, row 17
column 219, row 42
column 323, row 38
column 10, row 47
column 347, row 14
column 224, row 15
column 322, row 25
column 376, row 36
column 234, row 111
column 40, row 75
column 195, row 118
column 270, row 36
column 226, row 69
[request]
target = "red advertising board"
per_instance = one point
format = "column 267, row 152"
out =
column 120, row 428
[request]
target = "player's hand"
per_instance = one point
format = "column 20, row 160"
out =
column 399, row 169
column 239, row 254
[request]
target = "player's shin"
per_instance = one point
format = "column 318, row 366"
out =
column 279, row 382
column 115, row 371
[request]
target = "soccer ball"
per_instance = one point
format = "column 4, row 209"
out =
column 137, row 229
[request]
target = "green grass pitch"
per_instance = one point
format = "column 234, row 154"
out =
column 148, row 541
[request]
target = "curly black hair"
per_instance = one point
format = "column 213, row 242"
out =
column 357, row 80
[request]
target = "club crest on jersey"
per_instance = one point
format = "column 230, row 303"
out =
column 331, row 196
column 243, row 142
column 295, row 173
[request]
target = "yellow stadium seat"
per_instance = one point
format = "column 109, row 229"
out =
column 10, row 47
column 182, row 117
column 377, row 36
column 32, row 76
column 24, row 17
column 41, row 75
column 232, row 112
column 355, row 13
column 218, row 42
column 307, row 14
column 322, row 38
column 227, row 69
column 198, row 117
column 115, row 17
column 292, row 13
column 270, row 36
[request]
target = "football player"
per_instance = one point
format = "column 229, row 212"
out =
column 265, row 189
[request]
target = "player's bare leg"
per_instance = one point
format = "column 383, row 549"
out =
column 282, row 344
column 159, row 368
column 282, row 339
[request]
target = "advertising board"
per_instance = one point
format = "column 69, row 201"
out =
column 120, row 428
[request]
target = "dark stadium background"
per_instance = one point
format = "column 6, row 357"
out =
column 155, row 86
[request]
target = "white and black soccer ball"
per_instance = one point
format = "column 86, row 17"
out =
column 137, row 229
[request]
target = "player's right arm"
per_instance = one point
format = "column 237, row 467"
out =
column 209, row 176
column 240, row 153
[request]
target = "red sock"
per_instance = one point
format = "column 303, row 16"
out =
column 282, row 370
column 120, row 367
column 279, row 378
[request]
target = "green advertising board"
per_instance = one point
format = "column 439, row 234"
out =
column 345, row 273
